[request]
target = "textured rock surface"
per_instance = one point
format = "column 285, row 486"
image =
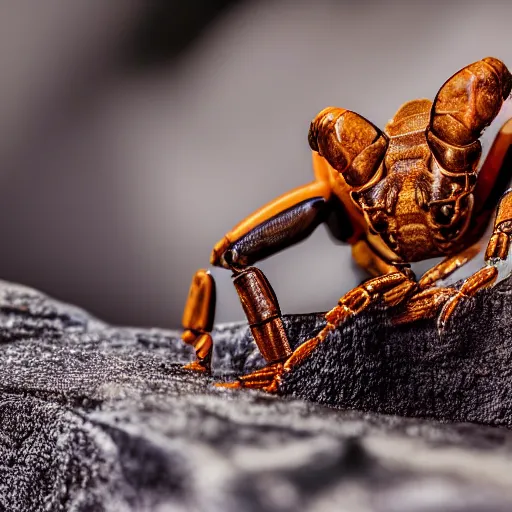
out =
column 94, row 417
column 465, row 375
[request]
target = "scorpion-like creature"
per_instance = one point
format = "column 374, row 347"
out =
column 412, row 192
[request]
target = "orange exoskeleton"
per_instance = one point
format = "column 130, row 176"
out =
column 411, row 192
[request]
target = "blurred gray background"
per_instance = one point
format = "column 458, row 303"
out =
column 134, row 134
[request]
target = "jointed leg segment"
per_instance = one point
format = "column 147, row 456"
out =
column 198, row 319
column 290, row 219
column 447, row 267
column 394, row 289
column 283, row 222
column 495, row 257
column 391, row 289
column 429, row 301
column 421, row 300
column 263, row 314
column 491, row 184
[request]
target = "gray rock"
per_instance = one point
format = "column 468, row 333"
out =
column 95, row 417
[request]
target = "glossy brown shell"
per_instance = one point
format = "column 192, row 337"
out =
column 414, row 183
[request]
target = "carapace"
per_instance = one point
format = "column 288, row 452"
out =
column 411, row 192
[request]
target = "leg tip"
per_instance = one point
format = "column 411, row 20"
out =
column 229, row 385
column 197, row 366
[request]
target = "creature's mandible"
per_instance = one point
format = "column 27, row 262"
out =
column 411, row 192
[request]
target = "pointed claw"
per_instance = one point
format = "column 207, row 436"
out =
column 396, row 285
column 203, row 345
column 448, row 310
column 230, row 385
column 266, row 379
column 423, row 305
column 483, row 278
column 197, row 366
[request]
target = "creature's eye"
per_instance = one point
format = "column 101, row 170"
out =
column 380, row 222
column 443, row 214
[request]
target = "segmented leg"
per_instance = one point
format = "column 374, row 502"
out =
column 198, row 319
column 498, row 264
column 424, row 305
column 447, row 267
column 489, row 191
column 280, row 224
column 391, row 289
column 261, row 308
column 430, row 299
column 263, row 314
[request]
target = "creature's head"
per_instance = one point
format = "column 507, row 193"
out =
column 422, row 170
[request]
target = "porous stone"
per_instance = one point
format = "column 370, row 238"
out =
column 95, row 417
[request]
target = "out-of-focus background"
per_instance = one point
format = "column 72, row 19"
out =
column 134, row 134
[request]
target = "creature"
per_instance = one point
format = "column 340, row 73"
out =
column 403, row 195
